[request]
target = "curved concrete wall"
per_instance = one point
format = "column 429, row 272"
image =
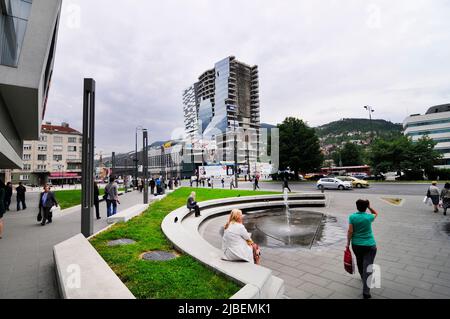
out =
column 257, row 281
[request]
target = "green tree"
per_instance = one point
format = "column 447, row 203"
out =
column 402, row 154
column 299, row 146
column 350, row 155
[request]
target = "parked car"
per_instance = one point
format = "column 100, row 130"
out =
column 378, row 177
column 314, row 177
column 333, row 183
column 356, row 182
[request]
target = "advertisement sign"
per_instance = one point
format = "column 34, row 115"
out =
column 213, row 171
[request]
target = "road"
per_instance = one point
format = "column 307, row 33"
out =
column 396, row 189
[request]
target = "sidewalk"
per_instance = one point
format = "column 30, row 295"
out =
column 26, row 250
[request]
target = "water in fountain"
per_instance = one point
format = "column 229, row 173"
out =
column 288, row 215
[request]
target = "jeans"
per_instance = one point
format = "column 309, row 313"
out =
column 7, row 203
column 97, row 209
column 21, row 200
column 110, row 203
column 365, row 256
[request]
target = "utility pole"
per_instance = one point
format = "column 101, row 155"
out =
column 370, row 110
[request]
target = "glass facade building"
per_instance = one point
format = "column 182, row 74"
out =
column 13, row 25
column 227, row 99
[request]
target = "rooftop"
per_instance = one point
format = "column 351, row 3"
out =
column 64, row 128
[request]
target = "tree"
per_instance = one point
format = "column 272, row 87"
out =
column 299, row 147
column 402, row 154
column 350, row 155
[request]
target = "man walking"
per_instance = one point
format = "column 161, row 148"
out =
column 152, row 186
column 8, row 195
column 112, row 197
column 286, row 185
column 46, row 202
column 21, row 190
column 256, row 185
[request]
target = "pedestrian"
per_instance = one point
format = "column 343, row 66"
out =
column 47, row 201
column 97, row 201
column 364, row 246
column 256, row 182
column 434, row 193
column 223, row 182
column 112, row 197
column 286, row 185
column 152, row 186
column 8, row 195
column 171, row 184
column 158, row 186
column 445, row 197
column 237, row 244
column 141, row 185
column 21, row 190
column 232, row 184
column 192, row 204
column 2, row 205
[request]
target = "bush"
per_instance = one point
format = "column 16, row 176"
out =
column 411, row 176
column 439, row 174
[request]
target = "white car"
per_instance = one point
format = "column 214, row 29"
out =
column 333, row 183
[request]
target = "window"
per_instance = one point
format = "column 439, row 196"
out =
column 27, row 147
column 72, row 139
column 27, row 157
column 43, row 138
column 57, row 148
column 42, row 167
column 57, row 139
column 42, row 148
column 58, row 167
column 27, row 167
column 42, row 157
column 71, row 148
column 57, row 157
column 80, row 140
column 24, row 177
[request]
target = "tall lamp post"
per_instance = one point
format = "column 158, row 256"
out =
column 145, row 164
column 136, row 161
column 370, row 110
column 235, row 149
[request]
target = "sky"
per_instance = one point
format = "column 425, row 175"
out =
column 319, row 60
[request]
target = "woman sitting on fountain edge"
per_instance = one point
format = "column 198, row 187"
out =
column 237, row 244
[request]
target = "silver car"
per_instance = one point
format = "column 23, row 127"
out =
column 333, row 183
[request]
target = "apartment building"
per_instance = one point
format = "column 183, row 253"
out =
column 55, row 157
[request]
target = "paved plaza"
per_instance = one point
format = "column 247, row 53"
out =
column 413, row 253
column 26, row 264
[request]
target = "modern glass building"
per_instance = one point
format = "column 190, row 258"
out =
column 436, row 125
column 227, row 103
column 28, row 36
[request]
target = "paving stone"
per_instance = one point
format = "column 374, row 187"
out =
column 404, row 273
column 341, row 278
column 441, row 289
column 316, row 290
column 318, row 280
column 291, row 271
column 412, row 282
column 296, row 293
column 395, row 294
column 397, row 286
column 346, row 290
column 427, row 294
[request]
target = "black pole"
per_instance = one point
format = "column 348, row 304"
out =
column 136, row 165
column 113, row 163
column 145, row 165
column 87, row 194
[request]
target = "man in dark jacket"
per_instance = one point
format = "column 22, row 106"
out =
column 8, row 195
column 192, row 204
column 21, row 190
column 96, row 200
column 47, row 201
column 152, row 186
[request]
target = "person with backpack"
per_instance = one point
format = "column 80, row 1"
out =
column 445, row 197
column 112, row 197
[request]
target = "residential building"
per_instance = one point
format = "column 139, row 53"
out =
column 28, row 36
column 226, row 101
column 436, row 125
column 55, row 157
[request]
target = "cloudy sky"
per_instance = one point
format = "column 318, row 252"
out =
column 318, row 60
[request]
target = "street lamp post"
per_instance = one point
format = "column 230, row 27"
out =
column 235, row 151
column 145, row 164
column 370, row 110
column 136, row 161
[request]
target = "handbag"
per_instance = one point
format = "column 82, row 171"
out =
column 256, row 253
column 39, row 216
column 348, row 262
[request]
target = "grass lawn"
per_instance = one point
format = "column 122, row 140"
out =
column 181, row 278
column 70, row 198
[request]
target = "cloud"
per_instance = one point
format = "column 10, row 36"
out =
column 318, row 60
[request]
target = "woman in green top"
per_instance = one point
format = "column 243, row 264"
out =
column 360, row 235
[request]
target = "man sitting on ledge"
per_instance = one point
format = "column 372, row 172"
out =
column 192, row 205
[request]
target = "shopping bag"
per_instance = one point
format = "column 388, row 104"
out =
column 348, row 262
column 39, row 216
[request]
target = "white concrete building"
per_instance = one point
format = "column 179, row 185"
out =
column 436, row 125
column 28, row 36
